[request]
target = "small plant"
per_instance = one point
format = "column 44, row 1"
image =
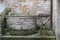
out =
column 46, row 30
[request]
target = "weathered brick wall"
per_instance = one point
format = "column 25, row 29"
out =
column 31, row 7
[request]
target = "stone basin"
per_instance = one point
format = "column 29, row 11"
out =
column 19, row 23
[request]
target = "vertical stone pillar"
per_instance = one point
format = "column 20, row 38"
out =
column 54, row 14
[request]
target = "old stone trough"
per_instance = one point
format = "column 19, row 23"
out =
column 16, row 24
column 19, row 25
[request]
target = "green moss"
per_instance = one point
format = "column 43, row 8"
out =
column 19, row 32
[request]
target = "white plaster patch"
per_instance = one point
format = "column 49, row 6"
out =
column 2, row 8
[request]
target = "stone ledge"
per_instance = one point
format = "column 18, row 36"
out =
column 29, row 37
